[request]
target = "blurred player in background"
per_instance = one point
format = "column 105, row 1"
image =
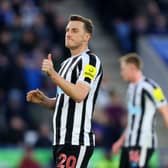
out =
column 77, row 84
column 144, row 98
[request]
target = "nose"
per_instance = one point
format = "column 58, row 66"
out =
column 68, row 34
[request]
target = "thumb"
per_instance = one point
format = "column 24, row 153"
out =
column 49, row 57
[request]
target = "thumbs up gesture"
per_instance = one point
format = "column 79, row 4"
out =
column 47, row 65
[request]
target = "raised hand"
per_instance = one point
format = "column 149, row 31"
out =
column 47, row 65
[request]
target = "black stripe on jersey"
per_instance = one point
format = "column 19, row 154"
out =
column 91, row 138
column 62, row 68
column 151, row 83
column 58, row 121
column 92, row 61
column 97, row 89
column 88, row 154
column 71, row 111
column 142, row 115
column 100, row 71
column 79, row 65
column 133, row 116
column 134, row 97
column 132, row 124
column 149, row 96
column 74, row 59
column 70, row 118
column 81, row 137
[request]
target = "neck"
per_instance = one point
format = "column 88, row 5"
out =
column 78, row 50
column 137, row 77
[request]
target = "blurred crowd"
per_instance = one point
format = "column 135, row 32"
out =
column 29, row 30
column 127, row 19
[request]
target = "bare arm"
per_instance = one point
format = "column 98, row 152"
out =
column 38, row 97
column 122, row 139
column 118, row 144
column 49, row 103
column 77, row 92
column 164, row 111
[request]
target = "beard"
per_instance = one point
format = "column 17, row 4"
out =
column 73, row 46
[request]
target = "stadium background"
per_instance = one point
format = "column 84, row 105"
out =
column 32, row 28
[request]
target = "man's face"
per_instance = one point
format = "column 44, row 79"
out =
column 126, row 71
column 75, row 35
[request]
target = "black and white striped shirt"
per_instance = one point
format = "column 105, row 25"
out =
column 72, row 120
column 143, row 99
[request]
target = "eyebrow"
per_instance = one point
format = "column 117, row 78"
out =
column 75, row 28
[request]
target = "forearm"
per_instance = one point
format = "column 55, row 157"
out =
column 166, row 120
column 122, row 139
column 76, row 92
column 49, row 102
column 164, row 111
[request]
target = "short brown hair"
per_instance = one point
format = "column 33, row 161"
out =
column 87, row 22
column 132, row 58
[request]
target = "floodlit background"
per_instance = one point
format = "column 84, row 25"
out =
column 29, row 29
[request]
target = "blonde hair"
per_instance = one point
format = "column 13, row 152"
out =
column 132, row 58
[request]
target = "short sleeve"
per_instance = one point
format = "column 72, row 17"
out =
column 158, row 97
column 90, row 67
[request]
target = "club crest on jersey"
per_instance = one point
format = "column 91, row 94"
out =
column 158, row 94
column 89, row 71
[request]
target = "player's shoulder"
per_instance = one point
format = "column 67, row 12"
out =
column 149, row 84
column 90, row 55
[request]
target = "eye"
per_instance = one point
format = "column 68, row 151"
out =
column 75, row 30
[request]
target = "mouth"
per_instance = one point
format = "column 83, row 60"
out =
column 68, row 39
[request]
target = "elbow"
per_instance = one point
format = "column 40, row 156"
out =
column 80, row 98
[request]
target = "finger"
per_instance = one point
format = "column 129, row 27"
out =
column 46, row 63
column 32, row 91
column 49, row 57
column 28, row 98
column 44, row 69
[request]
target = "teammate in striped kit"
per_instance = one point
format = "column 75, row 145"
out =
column 144, row 98
column 78, row 82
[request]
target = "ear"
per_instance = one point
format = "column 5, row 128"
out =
column 133, row 67
column 87, row 37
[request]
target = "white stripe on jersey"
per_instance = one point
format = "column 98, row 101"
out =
column 64, row 121
column 143, row 157
column 81, row 156
column 54, row 123
column 77, row 123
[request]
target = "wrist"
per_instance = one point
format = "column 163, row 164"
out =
column 55, row 77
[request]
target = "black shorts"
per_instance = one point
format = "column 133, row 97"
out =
column 145, row 156
column 72, row 156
